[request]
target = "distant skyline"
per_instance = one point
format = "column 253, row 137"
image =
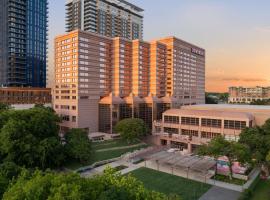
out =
column 235, row 35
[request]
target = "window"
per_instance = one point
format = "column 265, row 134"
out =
column 171, row 130
column 190, row 121
column 73, row 118
column 65, row 118
column 171, row 119
column 211, row 122
column 209, row 135
column 190, row 133
column 231, row 124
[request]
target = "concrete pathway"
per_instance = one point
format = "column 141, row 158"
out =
column 218, row 193
column 99, row 170
column 119, row 148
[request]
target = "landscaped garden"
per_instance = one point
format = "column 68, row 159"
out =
column 108, row 150
column 170, row 184
column 112, row 144
column 227, row 179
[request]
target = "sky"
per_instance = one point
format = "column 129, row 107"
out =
column 234, row 33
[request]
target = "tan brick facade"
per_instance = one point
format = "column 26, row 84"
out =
column 101, row 80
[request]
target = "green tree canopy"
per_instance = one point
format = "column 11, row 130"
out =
column 8, row 172
column 109, row 186
column 78, row 145
column 30, row 138
column 131, row 129
column 258, row 141
column 234, row 151
column 4, row 107
column 260, row 102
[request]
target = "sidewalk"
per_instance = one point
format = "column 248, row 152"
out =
column 217, row 193
column 119, row 148
column 99, row 170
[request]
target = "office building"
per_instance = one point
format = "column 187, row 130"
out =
column 191, row 126
column 100, row 80
column 112, row 18
column 247, row 95
column 23, row 42
column 25, row 95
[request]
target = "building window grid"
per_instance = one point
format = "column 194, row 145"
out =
column 209, row 135
column 190, row 121
column 190, row 133
column 232, row 124
column 171, row 119
column 171, row 130
column 216, row 123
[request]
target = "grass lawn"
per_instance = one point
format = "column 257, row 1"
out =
column 226, row 179
column 262, row 191
column 104, row 155
column 170, row 184
column 112, row 144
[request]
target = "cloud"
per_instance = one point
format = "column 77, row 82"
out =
column 237, row 79
column 263, row 29
column 245, row 79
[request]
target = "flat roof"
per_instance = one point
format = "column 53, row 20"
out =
column 210, row 113
column 176, row 160
column 24, row 89
column 133, row 6
column 228, row 106
column 27, row 106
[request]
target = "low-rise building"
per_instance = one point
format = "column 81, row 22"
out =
column 247, row 95
column 191, row 126
column 25, row 95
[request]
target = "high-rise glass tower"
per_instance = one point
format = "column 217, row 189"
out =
column 23, row 42
column 112, row 18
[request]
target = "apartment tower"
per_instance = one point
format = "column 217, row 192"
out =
column 100, row 80
column 248, row 95
column 112, row 18
column 23, row 42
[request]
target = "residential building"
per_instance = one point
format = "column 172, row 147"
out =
column 191, row 126
column 247, row 95
column 25, row 95
column 112, row 18
column 100, row 80
column 23, row 42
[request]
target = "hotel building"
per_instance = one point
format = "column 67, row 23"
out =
column 100, row 80
column 191, row 126
column 112, row 18
column 248, row 95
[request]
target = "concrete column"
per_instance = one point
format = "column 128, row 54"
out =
column 189, row 147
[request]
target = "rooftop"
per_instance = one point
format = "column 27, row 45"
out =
column 227, row 106
column 210, row 113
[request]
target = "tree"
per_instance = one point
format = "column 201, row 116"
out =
column 8, row 172
column 234, row 151
column 268, row 157
column 30, row 138
column 78, row 145
column 260, row 102
column 131, row 129
column 52, row 186
column 4, row 107
column 210, row 99
column 258, row 141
